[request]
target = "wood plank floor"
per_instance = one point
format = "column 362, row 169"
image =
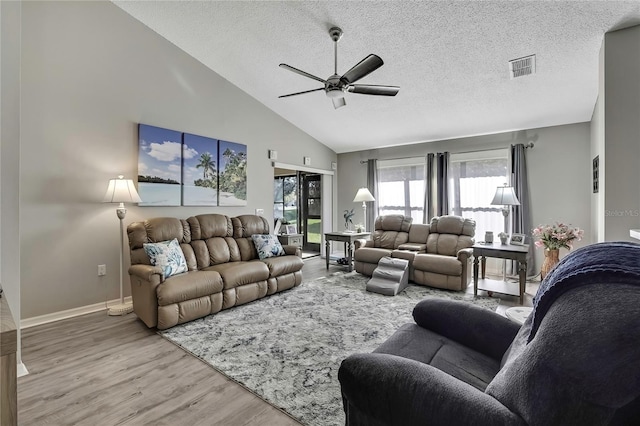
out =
column 102, row 370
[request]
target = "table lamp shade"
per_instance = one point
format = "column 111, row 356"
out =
column 505, row 196
column 121, row 191
column 363, row 195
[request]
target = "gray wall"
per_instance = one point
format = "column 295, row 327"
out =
column 618, row 139
column 90, row 73
column 597, row 150
column 559, row 171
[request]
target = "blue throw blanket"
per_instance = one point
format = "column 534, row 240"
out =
column 602, row 263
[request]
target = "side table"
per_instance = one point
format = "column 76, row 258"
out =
column 348, row 239
column 501, row 251
column 290, row 239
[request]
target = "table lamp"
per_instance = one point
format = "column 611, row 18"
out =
column 505, row 197
column 364, row 195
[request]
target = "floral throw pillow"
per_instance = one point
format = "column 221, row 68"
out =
column 267, row 245
column 167, row 255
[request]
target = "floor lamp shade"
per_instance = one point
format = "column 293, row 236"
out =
column 363, row 195
column 121, row 191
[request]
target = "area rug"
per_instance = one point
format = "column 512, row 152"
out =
column 287, row 348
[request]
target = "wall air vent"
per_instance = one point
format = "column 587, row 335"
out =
column 522, row 66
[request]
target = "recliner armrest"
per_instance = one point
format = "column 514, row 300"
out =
column 470, row 325
column 417, row 247
column 382, row 389
column 465, row 254
column 361, row 242
column 292, row 250
column 146, row 272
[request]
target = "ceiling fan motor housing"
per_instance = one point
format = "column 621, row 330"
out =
column 334, row 87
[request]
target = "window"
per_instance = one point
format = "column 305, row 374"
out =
column 285, row 199
column 401, row 185
column 474, row 177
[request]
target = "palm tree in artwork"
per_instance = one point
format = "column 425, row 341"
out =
column 207, row 164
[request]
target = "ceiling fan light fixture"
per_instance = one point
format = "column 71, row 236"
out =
column 335, row 93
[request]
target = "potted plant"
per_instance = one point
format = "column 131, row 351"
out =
column 348, row 215
column 503, row 237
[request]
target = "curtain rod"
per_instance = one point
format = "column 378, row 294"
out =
column 527, row 146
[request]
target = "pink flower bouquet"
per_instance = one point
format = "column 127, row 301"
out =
column 553, row 237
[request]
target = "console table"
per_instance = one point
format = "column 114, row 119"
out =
column 348, row 239
column 501, row 251
column 8, row 366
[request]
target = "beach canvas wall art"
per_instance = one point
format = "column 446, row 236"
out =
column 159, row 166
column 199, row 171
column 232, row 174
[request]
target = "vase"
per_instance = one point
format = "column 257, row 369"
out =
column 550, row 261
column 503, row 240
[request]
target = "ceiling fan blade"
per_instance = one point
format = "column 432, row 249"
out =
column 369, row 89
column 338, row 102
column 363, row 68
column 301, row 93
column 303, row 73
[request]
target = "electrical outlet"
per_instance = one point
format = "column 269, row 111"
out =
column 260, row 212
column 102, row 270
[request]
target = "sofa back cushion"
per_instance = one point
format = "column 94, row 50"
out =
column 154, row 231
column 450, row 234
column 212, row 240
column 391, row 231
column 418, row 233
column 244, row 226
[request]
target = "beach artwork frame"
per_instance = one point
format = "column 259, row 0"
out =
column 232, row 174
column 199, row 170
column 159, row 166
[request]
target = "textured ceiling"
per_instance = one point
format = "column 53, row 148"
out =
column 449, row 59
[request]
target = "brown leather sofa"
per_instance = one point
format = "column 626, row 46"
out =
column 395, row 236
column 224, row 269
column 447, row 261
column 439, row 254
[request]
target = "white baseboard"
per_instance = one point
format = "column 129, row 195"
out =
column 69, row 313
column 22, row 370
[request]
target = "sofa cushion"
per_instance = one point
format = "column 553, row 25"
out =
column 371, row 254
column 188, row 286
column 413, row 247
column 267, row 245
column 448, row 244
column 439, row 264
column 166, row 255
column 282, row 265
column 422, row 345
column 235, row 274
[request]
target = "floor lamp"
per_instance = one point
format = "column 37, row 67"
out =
column 121, row 191
column 364, row 195
column 505, row 197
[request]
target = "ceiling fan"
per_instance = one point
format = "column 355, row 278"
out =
column 335, row 86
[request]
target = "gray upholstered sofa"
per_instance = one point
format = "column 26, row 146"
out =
column 575, row 361
column 224, row 269
column 439, row 254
